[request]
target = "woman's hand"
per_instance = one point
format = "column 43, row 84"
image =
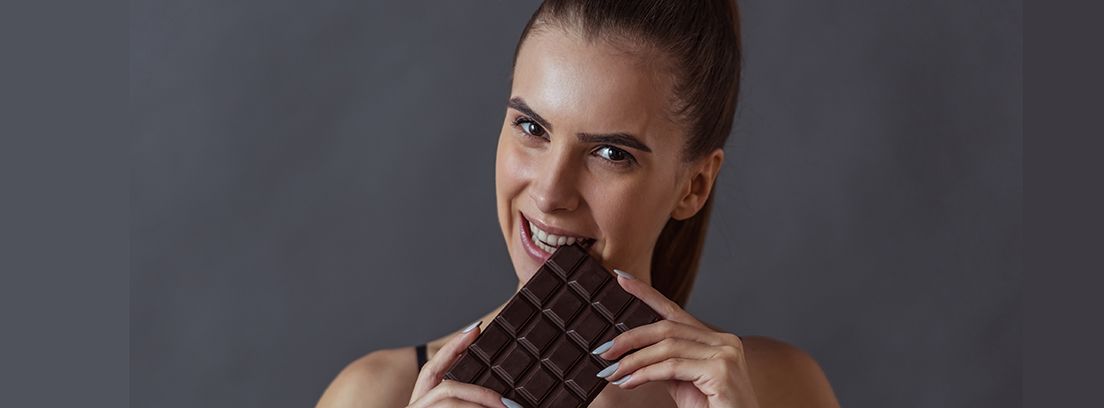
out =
column 703, row 368
column 431, row 391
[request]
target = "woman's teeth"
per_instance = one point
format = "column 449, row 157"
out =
column 549, row 242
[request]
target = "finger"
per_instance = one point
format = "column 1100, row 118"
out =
column 455, row 390
column 455, row 403
column 666, row 308
column 649, row 334
column 435, row 368
column 706, row 375
column 666, row 349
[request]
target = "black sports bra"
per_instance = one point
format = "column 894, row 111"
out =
column 420, row 351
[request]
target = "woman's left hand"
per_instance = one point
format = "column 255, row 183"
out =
column 703, row 367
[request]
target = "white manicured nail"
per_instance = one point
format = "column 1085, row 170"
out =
column 510, row 403
column 609, row 370
column 471, row 327
column 623, row 274
column 603, row 348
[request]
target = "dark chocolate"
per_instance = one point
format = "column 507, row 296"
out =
column 537, row 350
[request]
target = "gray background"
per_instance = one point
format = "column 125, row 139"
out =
column 304, row 170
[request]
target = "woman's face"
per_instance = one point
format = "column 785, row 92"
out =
column 588, row 151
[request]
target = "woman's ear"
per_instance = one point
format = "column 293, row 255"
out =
column 698, row 184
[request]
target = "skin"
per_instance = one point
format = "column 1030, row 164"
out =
column 619, row 194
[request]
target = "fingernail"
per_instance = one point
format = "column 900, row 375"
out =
column 471, row 327
column 510, row 403
column 603, row 348
column 622, row 380
column 609, row 370
column 623, row 274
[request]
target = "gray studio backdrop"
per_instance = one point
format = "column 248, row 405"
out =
column 313, row 180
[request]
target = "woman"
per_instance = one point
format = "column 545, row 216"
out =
column 614, row 133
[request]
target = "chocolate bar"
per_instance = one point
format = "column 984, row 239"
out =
column 536, row 351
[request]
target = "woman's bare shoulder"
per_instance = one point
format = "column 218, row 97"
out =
column 383, row 378
column 786, row 376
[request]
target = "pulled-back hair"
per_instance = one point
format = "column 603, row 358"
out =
column 699, row 40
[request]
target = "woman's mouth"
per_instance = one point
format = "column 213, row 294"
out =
column 540, row 243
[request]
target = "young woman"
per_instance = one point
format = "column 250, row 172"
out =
column 614, row 132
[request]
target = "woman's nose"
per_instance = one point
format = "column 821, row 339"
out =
column 555, row 187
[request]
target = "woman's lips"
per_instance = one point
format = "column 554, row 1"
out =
column 531, row 248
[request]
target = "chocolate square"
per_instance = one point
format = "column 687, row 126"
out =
column 536, row 385
column 563, row 307
column 586, row 329
column 489, row 343
column 513, row 363
column 490, row 380
column 538, row 335
column 541, row 286
column 516, row 313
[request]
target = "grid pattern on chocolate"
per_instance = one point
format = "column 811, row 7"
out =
column 537, row 350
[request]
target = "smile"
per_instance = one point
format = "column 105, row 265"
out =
column 538, row 239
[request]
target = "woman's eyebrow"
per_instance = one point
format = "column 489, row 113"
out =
column 620, row 138
column 519, row 104
column 623, row 139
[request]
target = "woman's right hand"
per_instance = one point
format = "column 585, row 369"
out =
column 431, row 391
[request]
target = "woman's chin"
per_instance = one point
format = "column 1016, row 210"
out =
column 526, row 270
column 523, row 277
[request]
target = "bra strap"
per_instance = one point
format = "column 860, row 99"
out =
column 420, row 351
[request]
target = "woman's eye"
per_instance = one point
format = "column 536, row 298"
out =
column 529, row 127
column 614, row 154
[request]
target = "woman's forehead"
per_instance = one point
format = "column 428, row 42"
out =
column 591, row 85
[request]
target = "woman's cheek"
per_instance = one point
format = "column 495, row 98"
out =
column 517, row 166
column 630, row 206
column 506, row 164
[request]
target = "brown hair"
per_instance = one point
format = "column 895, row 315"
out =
column 701, row 39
